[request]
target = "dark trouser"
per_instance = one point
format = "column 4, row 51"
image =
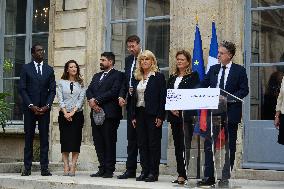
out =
column 179, row 143
column 132, row 148
column 29, row 127
column 105, row 137
column 149, row 142
column 229, row 156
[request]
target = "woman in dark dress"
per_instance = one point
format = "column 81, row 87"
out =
column 182, row 78
column 71, row 94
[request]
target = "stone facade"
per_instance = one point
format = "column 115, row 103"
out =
column 78, row 33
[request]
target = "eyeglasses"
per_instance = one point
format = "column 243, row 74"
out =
column 40, row 50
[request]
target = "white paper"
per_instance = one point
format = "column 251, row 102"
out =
column 192, row 99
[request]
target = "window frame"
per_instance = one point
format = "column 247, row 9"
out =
column 140, row 22
column 28, row 44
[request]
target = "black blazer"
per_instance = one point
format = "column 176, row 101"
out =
column 189, row 81
column 127, row 71
column 237, row 84
column 154, row 96
column 106, row 92
column 36, row 90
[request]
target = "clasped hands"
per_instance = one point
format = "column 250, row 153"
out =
column 158, row 122
column 39, row 111
column 94, row 105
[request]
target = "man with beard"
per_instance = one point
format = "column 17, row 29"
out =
column 102, row 95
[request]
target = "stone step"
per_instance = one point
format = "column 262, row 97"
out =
column 82, row 180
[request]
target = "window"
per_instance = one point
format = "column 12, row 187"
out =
column 266, row 56
column 25, row 22
column 149, row 19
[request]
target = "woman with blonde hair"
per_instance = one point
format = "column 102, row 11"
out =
column 71, row 94
column 148, row 112
column 182, row 128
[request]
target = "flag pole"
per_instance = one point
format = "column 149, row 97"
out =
column 198, row 136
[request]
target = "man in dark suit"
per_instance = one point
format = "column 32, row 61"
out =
column 134, row 48
column 232, row 78
column 102, row 94
column 37, row 89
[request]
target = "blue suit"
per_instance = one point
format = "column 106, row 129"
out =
column 39, row 91
column 237, row 85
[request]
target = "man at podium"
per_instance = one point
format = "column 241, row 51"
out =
column 231, row 78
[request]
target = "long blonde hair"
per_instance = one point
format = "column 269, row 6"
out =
column 138, row 74
column 188, row 58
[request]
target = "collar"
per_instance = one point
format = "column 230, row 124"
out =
column 35, row 63
column 108, row 71
column 228, row 66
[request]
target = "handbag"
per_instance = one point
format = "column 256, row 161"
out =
column 99, row 117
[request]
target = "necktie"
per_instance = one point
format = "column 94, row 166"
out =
column 102, row 78
column 221, row 85
column 38, row 69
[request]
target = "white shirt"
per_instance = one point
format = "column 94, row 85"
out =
column 131, row 71
column 177, row 82
column 227, row 70
column 105, row 74
column 40, row 67
column 141, row 87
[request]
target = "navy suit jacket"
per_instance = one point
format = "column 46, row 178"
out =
column 127, row 73
column 106, row 92
column 189, row 81
column 34, row 89
column 154, row 96
column 237, row 84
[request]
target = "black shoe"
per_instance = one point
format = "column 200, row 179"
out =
column 108, row 175
column 206, row 182
column 151, row 178
column 127, row 175
column 100, row 173
column 142, row 177
column 45, row 172
column 223, row 183
column 26, row 172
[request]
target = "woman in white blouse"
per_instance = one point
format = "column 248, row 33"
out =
column 147, row 114
column 182, row 78
column 71, row 94
column 279, row 116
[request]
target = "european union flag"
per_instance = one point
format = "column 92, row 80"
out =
column 197, row 59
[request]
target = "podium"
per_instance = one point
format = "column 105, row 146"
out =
column 208, row 152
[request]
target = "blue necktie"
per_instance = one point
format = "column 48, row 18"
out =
column 38, row 69
column 221, row 85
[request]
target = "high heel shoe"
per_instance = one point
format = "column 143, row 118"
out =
column 66, row 170
column 72, row 171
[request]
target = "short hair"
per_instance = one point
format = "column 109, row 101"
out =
column 34, row 46
column 109, row 56
column 133, row 38
column 231, row 47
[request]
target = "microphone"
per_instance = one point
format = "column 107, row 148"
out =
column 71, row 87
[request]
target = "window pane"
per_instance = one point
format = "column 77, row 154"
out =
column 264, row 88
column 267, row 36
column 40, row 16
column 157, row 8
column 123, row 9
column 158, row 40
column 42, row 39
column 119, row 33
column 266, row 3
column 11, row 86
column 15, row 18
column 14, row 51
